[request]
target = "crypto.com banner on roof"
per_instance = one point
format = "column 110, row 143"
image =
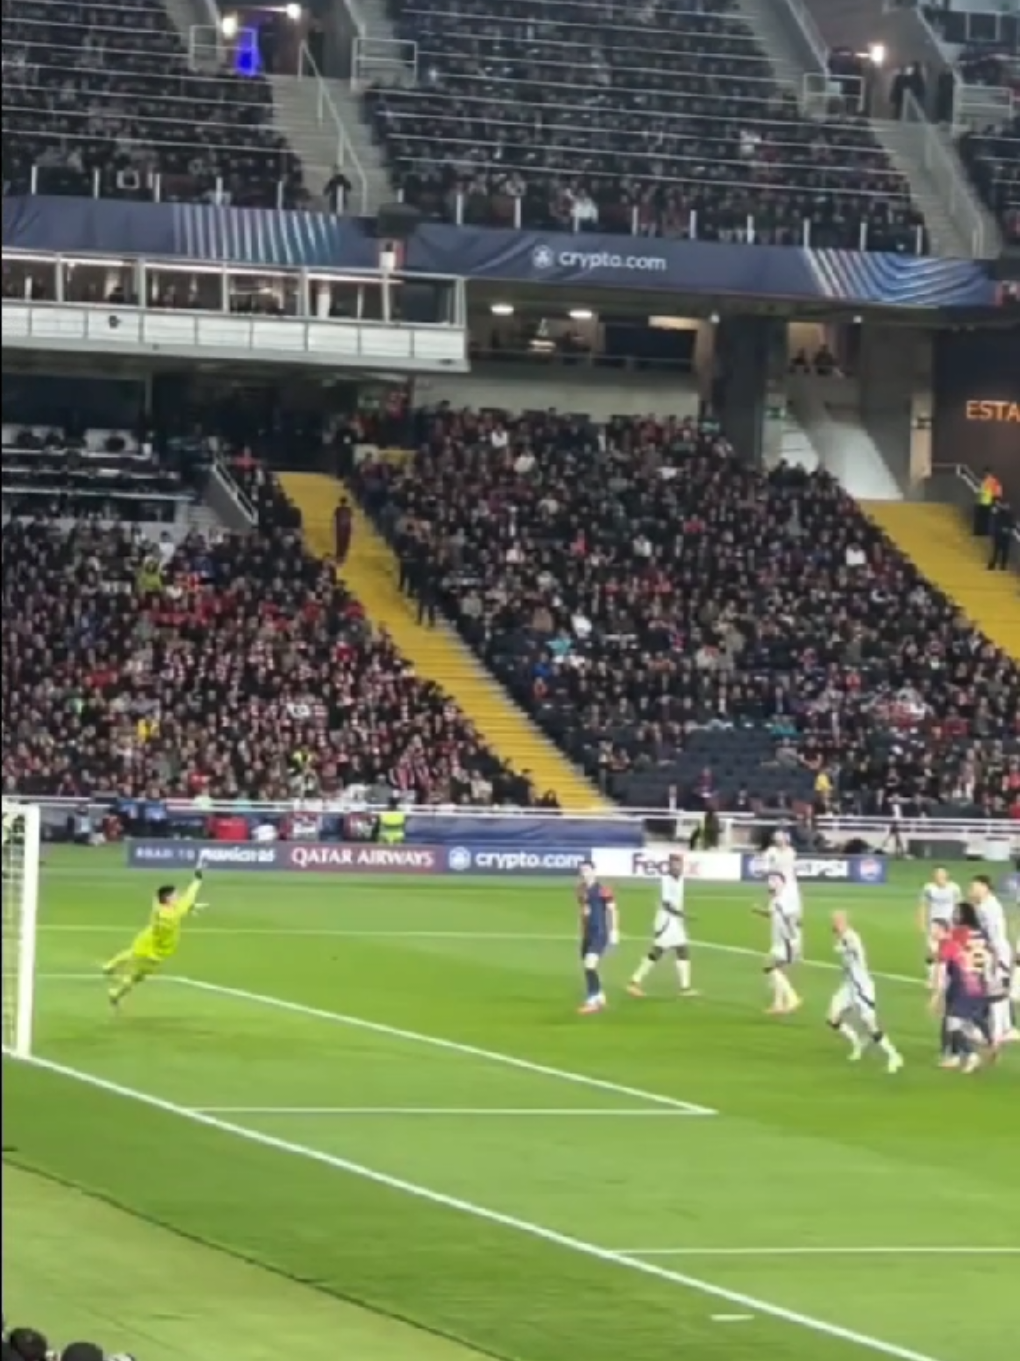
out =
column 269, row 238
column 602, row 261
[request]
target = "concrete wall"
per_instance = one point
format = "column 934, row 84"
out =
column 597, row 393
column 894, row 362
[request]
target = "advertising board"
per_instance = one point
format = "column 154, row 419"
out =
column 976, row 419
column 512, row 860
column 711, row 867
column 822, row 869
column 308, row 857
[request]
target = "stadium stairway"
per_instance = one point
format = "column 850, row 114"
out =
column 937, row 539
column 438, row 654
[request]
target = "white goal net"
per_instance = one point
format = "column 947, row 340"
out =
column 21, row 824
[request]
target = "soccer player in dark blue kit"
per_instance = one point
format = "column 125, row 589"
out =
column 600, row 930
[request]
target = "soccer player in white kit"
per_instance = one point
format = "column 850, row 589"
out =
column 785, row 915
column 670, row 932
column 992, row 919
column 940, row 898
column 854, row 999
column 781, row 858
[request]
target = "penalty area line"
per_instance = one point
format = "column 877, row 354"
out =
column 927, row 1251
column 465, row 1207
column 505, row 1112
column 522, row 937
column 449, row 1046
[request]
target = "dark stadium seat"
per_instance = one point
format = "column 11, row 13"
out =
column 660, row 606
column 992, row 156
column 662, row 117
column 100, row 97
column 983, row 45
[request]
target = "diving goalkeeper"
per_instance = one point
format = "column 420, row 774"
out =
column 157, row 943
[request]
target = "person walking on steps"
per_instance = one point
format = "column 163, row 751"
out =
column 1001, row 531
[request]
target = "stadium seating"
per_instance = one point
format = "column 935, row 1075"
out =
column 984, row 47
column 992, row 157
column 661, row 116
column 678, row 621
column 233, row 665
column 100, row 96
column 96, row 474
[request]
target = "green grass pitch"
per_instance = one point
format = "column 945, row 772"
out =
column 380, row 1088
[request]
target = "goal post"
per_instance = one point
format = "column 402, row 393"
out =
column 21, row 842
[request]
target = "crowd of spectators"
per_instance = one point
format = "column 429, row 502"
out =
column 992, row 157
column 639, row 588
column 662, row 117
column 101, row 95
column 27, row 1344
column 230, row 666
column 984, row 49
column 95, row 474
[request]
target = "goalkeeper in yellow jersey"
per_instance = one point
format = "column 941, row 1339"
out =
column 157, row 943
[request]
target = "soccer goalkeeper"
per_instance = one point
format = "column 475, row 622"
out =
column 157, row 943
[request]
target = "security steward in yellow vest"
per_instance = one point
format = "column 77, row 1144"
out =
column 392, row 827
column 988, row 493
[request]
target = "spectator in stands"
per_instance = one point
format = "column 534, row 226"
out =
column 100, row 98
column 205, row 672
column 1001, row 532
column 669, row 125
column 755, row 637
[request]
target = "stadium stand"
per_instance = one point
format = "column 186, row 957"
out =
column 992, row 157
column 99, row 97
column 107, row 475
column 228, row 665
column 685, row 626
column 984, row 47
column 664, row 117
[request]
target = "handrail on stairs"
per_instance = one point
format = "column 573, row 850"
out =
column 326, row 111
column 968, row 476
column 805, row 21
column 947, row 176
column 358, row 21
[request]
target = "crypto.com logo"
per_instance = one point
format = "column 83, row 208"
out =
column 545, row 258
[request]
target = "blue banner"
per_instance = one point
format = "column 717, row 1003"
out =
column 510, row 861
column 282, row 239
column 824, row 869
column 523, row 831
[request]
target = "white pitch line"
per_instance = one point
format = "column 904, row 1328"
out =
column 496, row 1217
column 821, row 1252
column 449, row 1046
column 342, row 933
column 646, row 1113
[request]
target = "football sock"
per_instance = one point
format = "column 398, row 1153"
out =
column 849, row 1033
column 683, row 973
column 117, row 963
column 592, row 984
column 785, row 995
column 643, row 970
column 886, row 1045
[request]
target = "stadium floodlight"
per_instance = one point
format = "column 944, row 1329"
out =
column 21, row 838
